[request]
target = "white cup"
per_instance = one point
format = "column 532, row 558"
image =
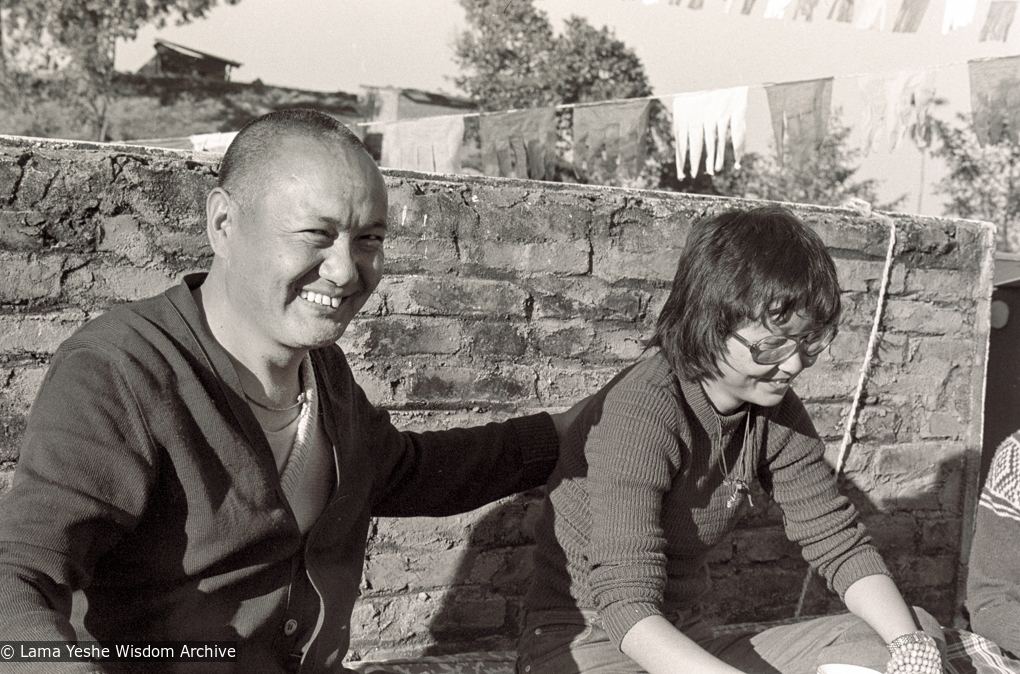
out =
column 845, row 669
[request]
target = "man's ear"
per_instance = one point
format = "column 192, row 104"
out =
column 220, row 213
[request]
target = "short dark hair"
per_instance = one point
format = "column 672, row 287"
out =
column 244, row 168
column 761, row 264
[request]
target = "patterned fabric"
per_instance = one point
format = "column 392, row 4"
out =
column 1002, row 488
column 967, row 653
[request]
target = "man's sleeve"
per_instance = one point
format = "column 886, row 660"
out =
column 993, row 580
column 442, row 473
column 82, row 481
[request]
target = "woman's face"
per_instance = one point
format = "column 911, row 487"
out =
column 744, row 381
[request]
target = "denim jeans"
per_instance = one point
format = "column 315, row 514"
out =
column 571, row 642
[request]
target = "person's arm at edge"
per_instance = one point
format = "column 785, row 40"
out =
column 876, row 600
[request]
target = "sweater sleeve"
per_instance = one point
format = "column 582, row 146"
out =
column 993, row 579
column 815, row 514
column 82, row 481
column 441, row 473
column 633, row 453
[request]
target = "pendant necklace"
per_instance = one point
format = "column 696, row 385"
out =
column 740, row 487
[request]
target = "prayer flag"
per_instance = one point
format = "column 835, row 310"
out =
column 430, row 144
column 909, row 18
column 800, row 115
column 895, row 105
column 1000, row 18
column 870, row 15
column 748, row 7
column 842, row 10
column 775, row 9
column 805, row 9
column 959, row 14
column 609, row 138
column 995, row 98
column 701, row 121
column 519, row 144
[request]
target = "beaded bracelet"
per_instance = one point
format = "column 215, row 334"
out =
column 915, row 653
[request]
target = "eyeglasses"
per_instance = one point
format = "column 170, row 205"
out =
column 777, row 348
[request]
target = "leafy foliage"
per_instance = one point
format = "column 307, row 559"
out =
column 983, row 183
column 824, row 177
column 70, row 45
column 512, row 59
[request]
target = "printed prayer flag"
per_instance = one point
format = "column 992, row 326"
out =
column 609, row 138
column 748, row 7
column 430, row 144
column 995, row 98
column 909, row 18
column 800, row 115
column 519, row 144
column 1000, row 18
column 894, row 105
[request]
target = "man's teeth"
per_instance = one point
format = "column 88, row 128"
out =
column 319, row 298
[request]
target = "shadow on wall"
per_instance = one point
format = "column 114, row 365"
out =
column 482, row 610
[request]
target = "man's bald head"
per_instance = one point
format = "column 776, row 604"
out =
column 246, row 168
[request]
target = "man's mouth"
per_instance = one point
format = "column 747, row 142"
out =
column 319, row 298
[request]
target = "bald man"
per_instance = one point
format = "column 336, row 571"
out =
column 202, row 465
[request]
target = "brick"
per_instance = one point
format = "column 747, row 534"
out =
column 127, row 284
column 21, row 230
column 500, row 340
column 851, row 345
column 866, row 275
column 613, row 264
column 29, row 279
column 893, row 534
column 624, row 344
column 940, row 536
column 764, row 545
column 451, row 296
column 424, row 211
column 37, row 334
column 585, row 297
column 911, row 316
column 511, row 215
column 412, row 256
column 400, row 336
column 912, row 476
column 123, row 235
column 942, row 285
column 564, row 340
column 571, row 257
column 463, row 383
column 928, row 572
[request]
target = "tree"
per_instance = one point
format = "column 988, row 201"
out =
column 71, row 43
column 983, row 183
column 824, row 177
column 512, row 59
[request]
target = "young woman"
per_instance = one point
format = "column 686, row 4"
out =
column 656, row 469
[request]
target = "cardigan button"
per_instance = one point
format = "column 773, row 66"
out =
column 290, row 627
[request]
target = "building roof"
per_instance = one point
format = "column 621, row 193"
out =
column 194, row 53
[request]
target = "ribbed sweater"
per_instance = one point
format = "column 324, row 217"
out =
column 993, row 579
column 637, row 499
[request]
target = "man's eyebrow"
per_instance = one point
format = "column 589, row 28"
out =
column 342, row 225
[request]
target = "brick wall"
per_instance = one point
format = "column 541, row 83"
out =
column 505, row 297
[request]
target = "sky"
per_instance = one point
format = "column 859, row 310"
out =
column 340, row 45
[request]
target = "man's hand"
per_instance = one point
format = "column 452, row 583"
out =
column 563, row 420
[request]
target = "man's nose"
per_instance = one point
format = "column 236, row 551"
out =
column 339, row 266
column 797, row 362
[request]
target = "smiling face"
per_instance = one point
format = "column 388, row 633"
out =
column 302, row 256
column 741, row 380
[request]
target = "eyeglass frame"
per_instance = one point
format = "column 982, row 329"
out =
column 801, row 343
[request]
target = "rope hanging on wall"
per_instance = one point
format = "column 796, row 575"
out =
column 869, row 355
